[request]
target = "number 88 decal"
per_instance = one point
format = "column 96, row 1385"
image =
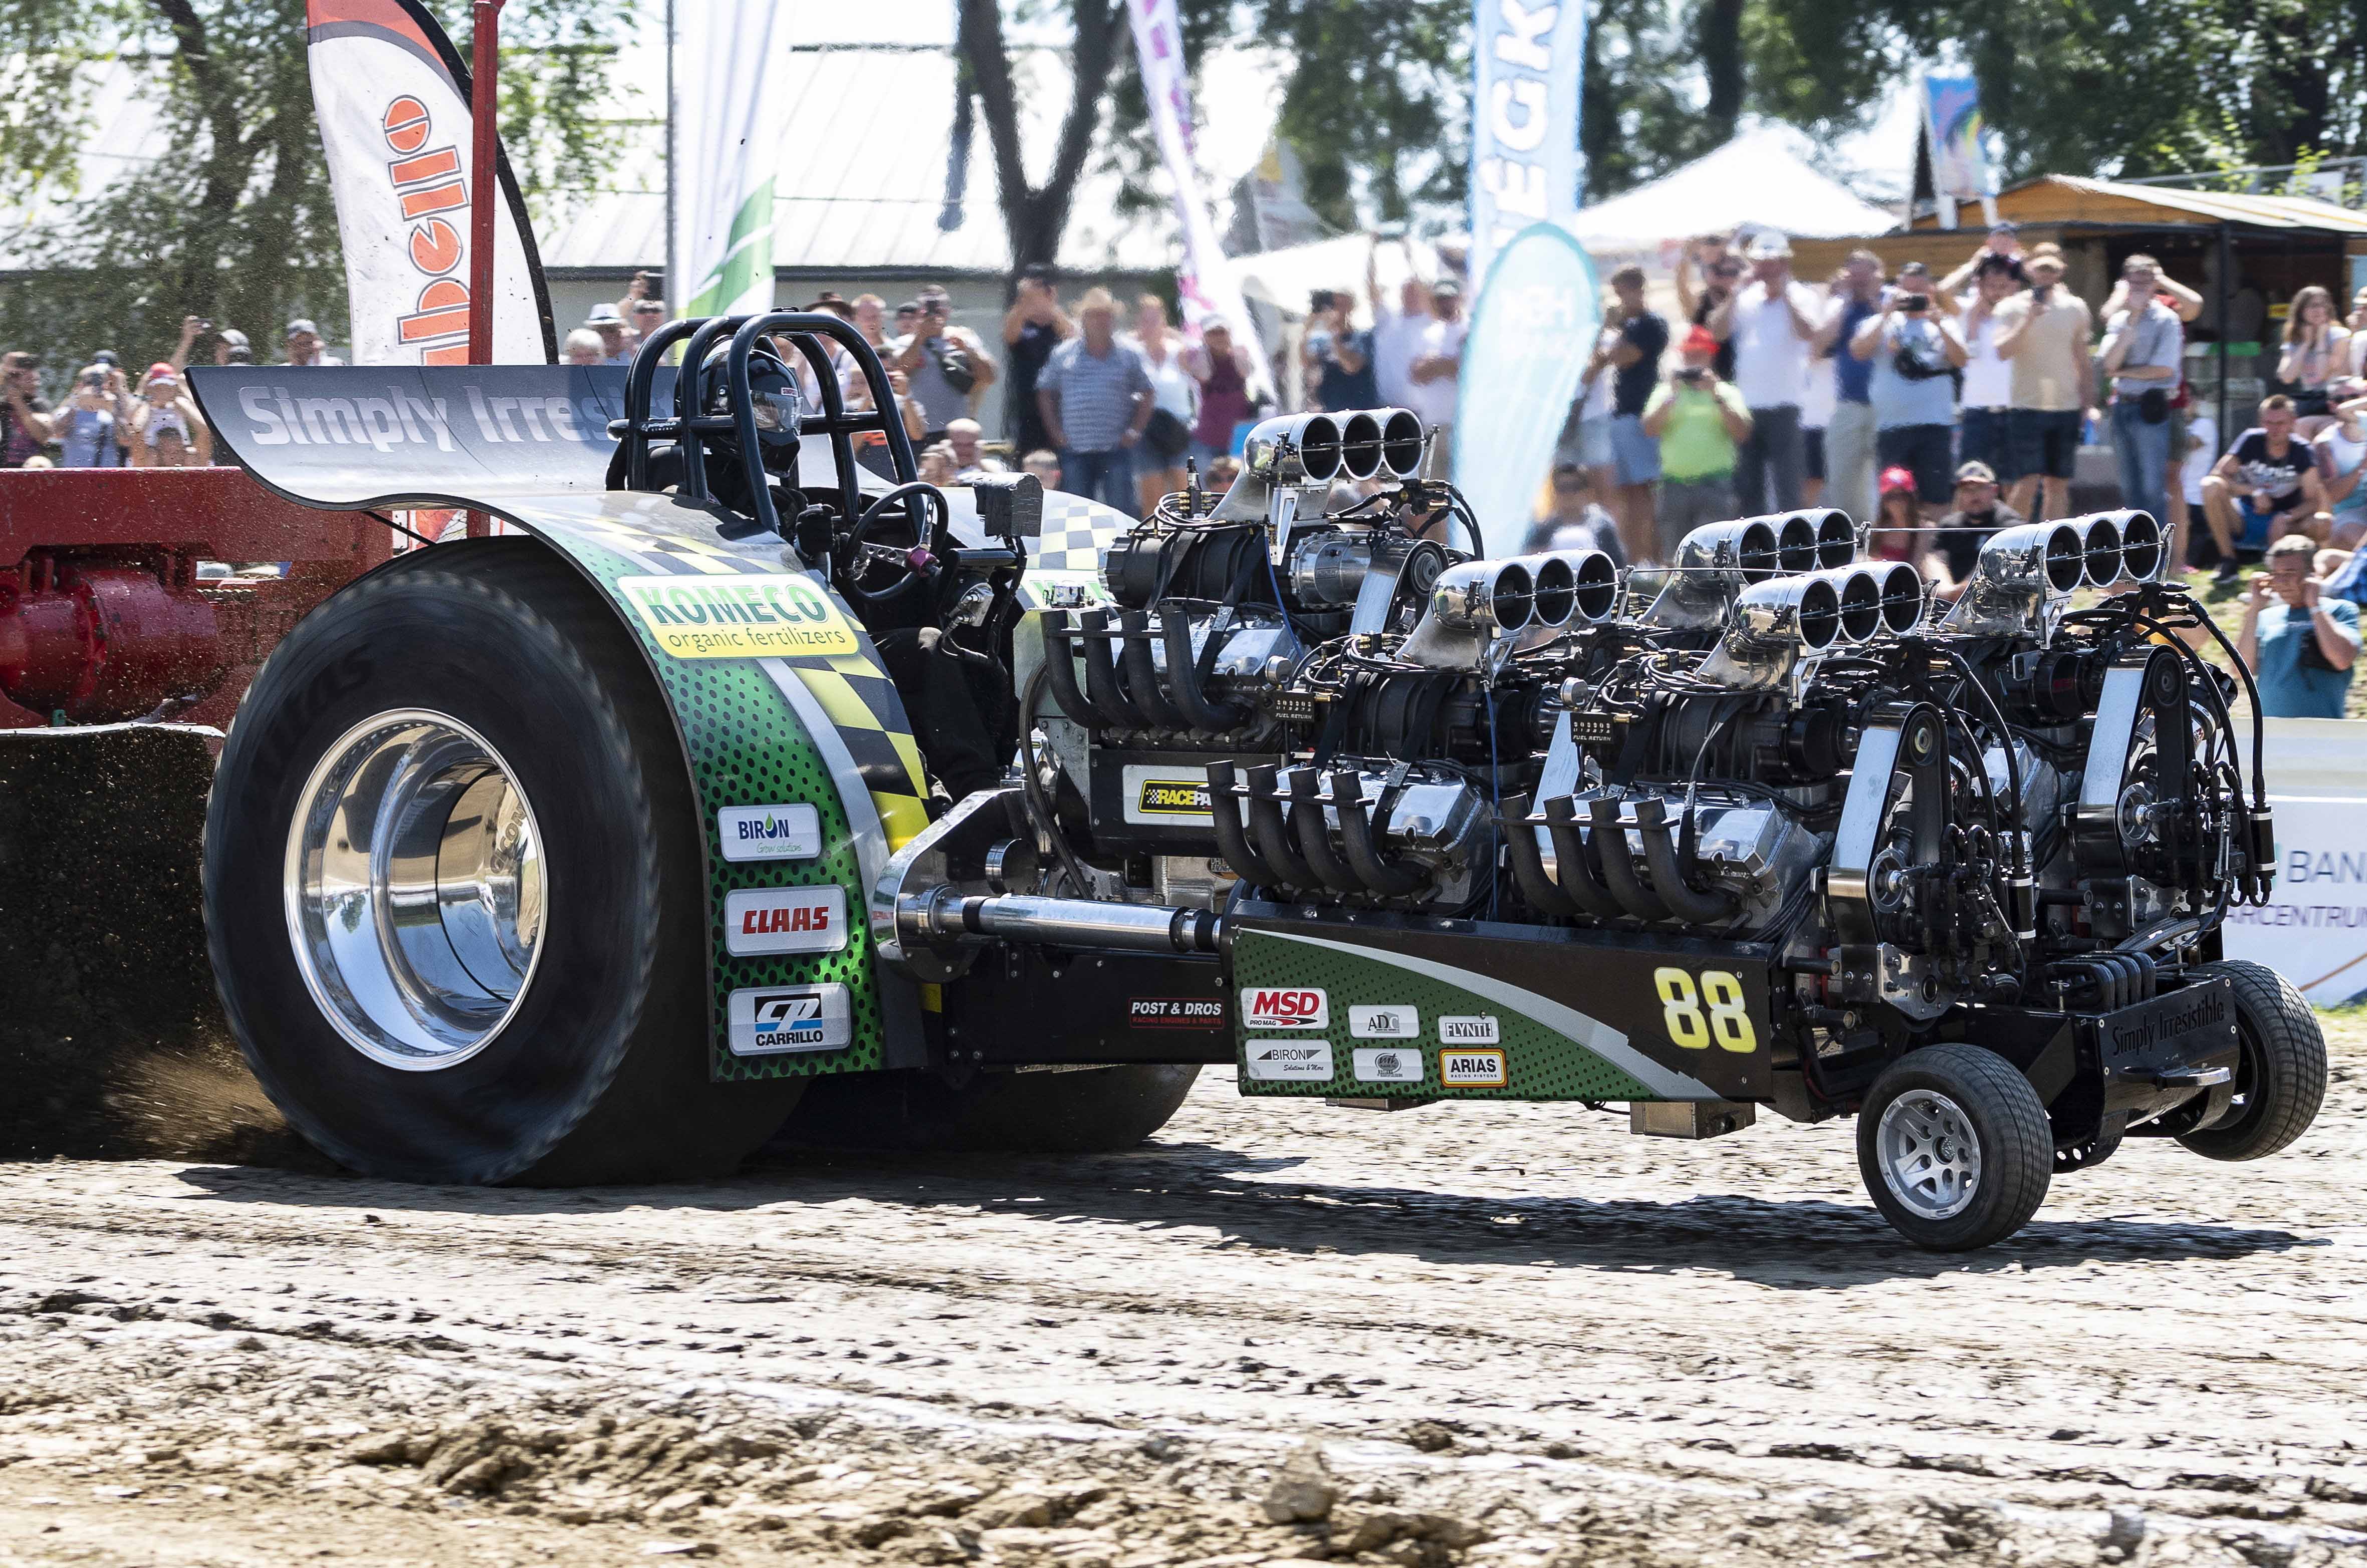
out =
column 1681, row 1005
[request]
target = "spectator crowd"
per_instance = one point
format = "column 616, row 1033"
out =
column 1942, row 409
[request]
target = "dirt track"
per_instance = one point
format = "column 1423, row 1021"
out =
column 1518, row 1336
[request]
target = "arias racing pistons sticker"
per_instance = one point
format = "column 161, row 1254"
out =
column 1290, row 1061
column 1471, row 1069
column 1271, row 1007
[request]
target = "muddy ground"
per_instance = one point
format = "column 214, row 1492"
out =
column 1479, row 1334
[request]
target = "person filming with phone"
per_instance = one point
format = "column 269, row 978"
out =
column 2299, row 642
column 2043, row 332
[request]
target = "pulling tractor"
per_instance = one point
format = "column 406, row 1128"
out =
column 745, row 788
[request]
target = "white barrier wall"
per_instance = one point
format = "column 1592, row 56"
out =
column 2314, row 928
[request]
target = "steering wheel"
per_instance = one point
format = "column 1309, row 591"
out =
column 915, row 564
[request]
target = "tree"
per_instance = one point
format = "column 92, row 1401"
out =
column 233, row 221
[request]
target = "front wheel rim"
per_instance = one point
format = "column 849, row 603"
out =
column 416, row 890
column 1929, row 1156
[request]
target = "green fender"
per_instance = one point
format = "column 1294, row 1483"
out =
column 799, row 751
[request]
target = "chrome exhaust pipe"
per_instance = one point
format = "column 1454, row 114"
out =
column 2020, row 573
column 944, row 916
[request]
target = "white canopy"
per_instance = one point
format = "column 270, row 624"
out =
column 1756, row 179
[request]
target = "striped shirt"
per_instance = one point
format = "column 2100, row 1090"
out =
column 1095, row 393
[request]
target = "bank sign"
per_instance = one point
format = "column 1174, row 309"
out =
column 2313, row 930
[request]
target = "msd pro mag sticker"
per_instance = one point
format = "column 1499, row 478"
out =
column 1282, row 1006
column 758, row 615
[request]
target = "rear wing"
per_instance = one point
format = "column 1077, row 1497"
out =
column 346, row 436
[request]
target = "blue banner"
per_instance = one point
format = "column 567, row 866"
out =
column 1531, row 334
column 1524, row 159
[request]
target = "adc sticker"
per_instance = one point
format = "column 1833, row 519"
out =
column 759, row 615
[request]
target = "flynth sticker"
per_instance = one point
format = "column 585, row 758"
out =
column 1290, row 1061
column 1388, row 1065
column 758, row 615
column 1479, row 1031
column 1471, row 1069
column 1268, row 1007
column 758, row 920
column 769, row 832
column 768, row 1020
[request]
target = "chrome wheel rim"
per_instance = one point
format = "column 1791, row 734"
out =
column 415, row 886
column 1929, row 1156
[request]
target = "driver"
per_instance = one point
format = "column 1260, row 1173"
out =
column 780, row 421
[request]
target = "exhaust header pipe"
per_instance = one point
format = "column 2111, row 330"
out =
column 1571, row 585
column 2022, row 574
column 1714, row 562
column 1380, row 442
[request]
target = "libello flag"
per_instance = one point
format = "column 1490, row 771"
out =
column 392, row 100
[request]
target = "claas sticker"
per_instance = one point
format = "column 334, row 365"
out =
column 758, row 615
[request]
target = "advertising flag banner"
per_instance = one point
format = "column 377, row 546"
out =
column 391, row 98
column 1524, row 161
column 728, row 134
column 1952, row 125
column 1205, row 286
column 1530, row 337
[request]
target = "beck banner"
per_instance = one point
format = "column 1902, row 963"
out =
column 727, row 133
column 2313, row 930
column 392, row 100
column 1204, row 284
column 1952, row 125
column 1524, row 159
column 1536, row 324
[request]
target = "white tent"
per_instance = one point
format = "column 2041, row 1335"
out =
column 1757, row 179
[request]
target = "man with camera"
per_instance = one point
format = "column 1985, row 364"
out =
column 946, row 365
column 1700, row 422
column 1772, row 320
column 1912, row 349
column 2043, row 332
column 1850, row 465
column 2144, row 351
column 1336, row 356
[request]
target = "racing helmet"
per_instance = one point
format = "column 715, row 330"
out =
column 778, row 403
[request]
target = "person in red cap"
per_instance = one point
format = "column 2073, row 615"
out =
column 167, row 432
column 1897, row 522
column 1700, row 422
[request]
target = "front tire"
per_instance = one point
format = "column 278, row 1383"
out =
column 1954, row 1147
column 2281, row 1075
column 454, row 890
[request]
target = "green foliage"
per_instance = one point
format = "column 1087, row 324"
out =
column 233, row 221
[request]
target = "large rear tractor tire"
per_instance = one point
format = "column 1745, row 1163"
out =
column 1954, row 1147
column 2281, row 1076
column 454, row 890
column 1092, row 1111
